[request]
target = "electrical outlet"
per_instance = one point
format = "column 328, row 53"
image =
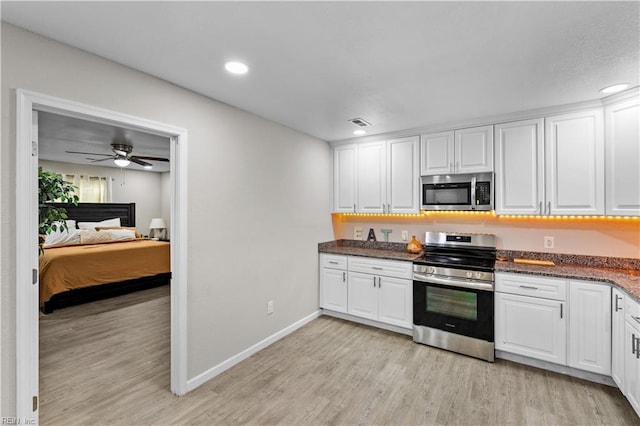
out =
column 269, row 307
column 405, row 235
column 357, row 233
column 548, row 242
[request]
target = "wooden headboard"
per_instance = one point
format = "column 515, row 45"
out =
column 96, row 212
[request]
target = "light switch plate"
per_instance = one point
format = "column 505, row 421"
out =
column 548, row 242
column 405, row 235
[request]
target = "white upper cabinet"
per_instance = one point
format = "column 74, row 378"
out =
column 622, row 145
column 403, row 191
column 574, row 163
column 474, row 150
column 344, row 178
column 436, row 153
column 463, row 151
column 372, row 177
column 519, row 155
column 377, row 177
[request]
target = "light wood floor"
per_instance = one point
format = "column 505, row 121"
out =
column 108, row 363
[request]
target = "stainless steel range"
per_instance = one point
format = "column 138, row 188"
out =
column 453, row 293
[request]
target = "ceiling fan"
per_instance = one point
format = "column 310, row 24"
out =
column 122, row 156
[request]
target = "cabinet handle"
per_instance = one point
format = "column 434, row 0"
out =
column 540, row 207
column 374, row 282
column 389, row 208
column 344, row 276
column 617, row 307
column 354, row 207
column 333, row 262
column 561, row 306
column 529, row 287
column 377, row 268
column 549, row 207
column 633, row 344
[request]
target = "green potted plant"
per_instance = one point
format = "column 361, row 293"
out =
column 53, row 188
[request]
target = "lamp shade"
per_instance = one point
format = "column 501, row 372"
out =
column 157, row 223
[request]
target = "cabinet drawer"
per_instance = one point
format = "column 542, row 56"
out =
column 333, row 261
column 528, row 285
column 632, row 310
column 387, row 268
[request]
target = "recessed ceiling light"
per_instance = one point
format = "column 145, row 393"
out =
column 236, row 67
column 148, row 167
column 359, row 132
column 615, row 88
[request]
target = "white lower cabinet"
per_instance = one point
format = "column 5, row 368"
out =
column 531, row 326
column 374, row 289
column 381, row 290
column 632, row 363
column 554, row 320
column 333, row 282
column 590, row 327
column 617, row 337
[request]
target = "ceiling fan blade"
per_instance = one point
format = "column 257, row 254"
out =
column 101, row 159
column 88, row 153
column 144, row 157
column 137, row 160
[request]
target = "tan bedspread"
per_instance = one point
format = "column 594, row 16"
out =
column 67, row 268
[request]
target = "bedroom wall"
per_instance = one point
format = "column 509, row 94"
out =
column 129, row 186
column 165, row 200
column 259, row 195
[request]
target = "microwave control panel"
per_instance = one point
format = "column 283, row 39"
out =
column 483, row 193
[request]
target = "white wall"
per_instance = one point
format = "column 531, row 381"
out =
column 593, row 237
column 129, row 186
column 259, row 199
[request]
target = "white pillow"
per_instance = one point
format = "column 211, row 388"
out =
column 88, row 236
column 120, row 234
column 92, row 225
column 59, row 237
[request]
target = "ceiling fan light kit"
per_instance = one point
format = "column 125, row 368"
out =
column 121, row 162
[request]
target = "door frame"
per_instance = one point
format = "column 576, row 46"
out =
column 26, row 238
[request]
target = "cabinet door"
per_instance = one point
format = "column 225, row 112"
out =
column 363, row 295
column 395, row 298
column 344, row 178
column 590, row 327
column 617, row 337
column 622, row 148
column 532, row 327
column 631, row 365
column 333, row 290
column 372, row 177
column 574, row 150
column 474, row 150
column 403, row 181
column 519, row 154
column 436, row 153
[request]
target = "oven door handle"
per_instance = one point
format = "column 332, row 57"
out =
column 476, row 285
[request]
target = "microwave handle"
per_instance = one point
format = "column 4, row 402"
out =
column 473, row 193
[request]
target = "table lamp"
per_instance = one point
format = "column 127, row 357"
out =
column 158, row 229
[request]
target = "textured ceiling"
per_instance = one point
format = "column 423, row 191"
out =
column 399, row 65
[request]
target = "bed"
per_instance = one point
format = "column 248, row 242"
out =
column 80, row 273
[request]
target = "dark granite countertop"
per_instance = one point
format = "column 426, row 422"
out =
column 623, row 273
column 380, row 250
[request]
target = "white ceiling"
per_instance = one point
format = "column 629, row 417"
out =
column 58, row 134
column 398, row 65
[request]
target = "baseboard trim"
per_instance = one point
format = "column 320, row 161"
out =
column 227, row 364
column 372, row 323
column 557, row 368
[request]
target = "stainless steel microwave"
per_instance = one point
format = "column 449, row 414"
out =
column 457, row 192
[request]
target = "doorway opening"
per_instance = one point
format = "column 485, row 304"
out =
column 31, row 104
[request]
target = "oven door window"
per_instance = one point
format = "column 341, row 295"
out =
column 456, row 303
column 455, row 309
column 449, row 194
